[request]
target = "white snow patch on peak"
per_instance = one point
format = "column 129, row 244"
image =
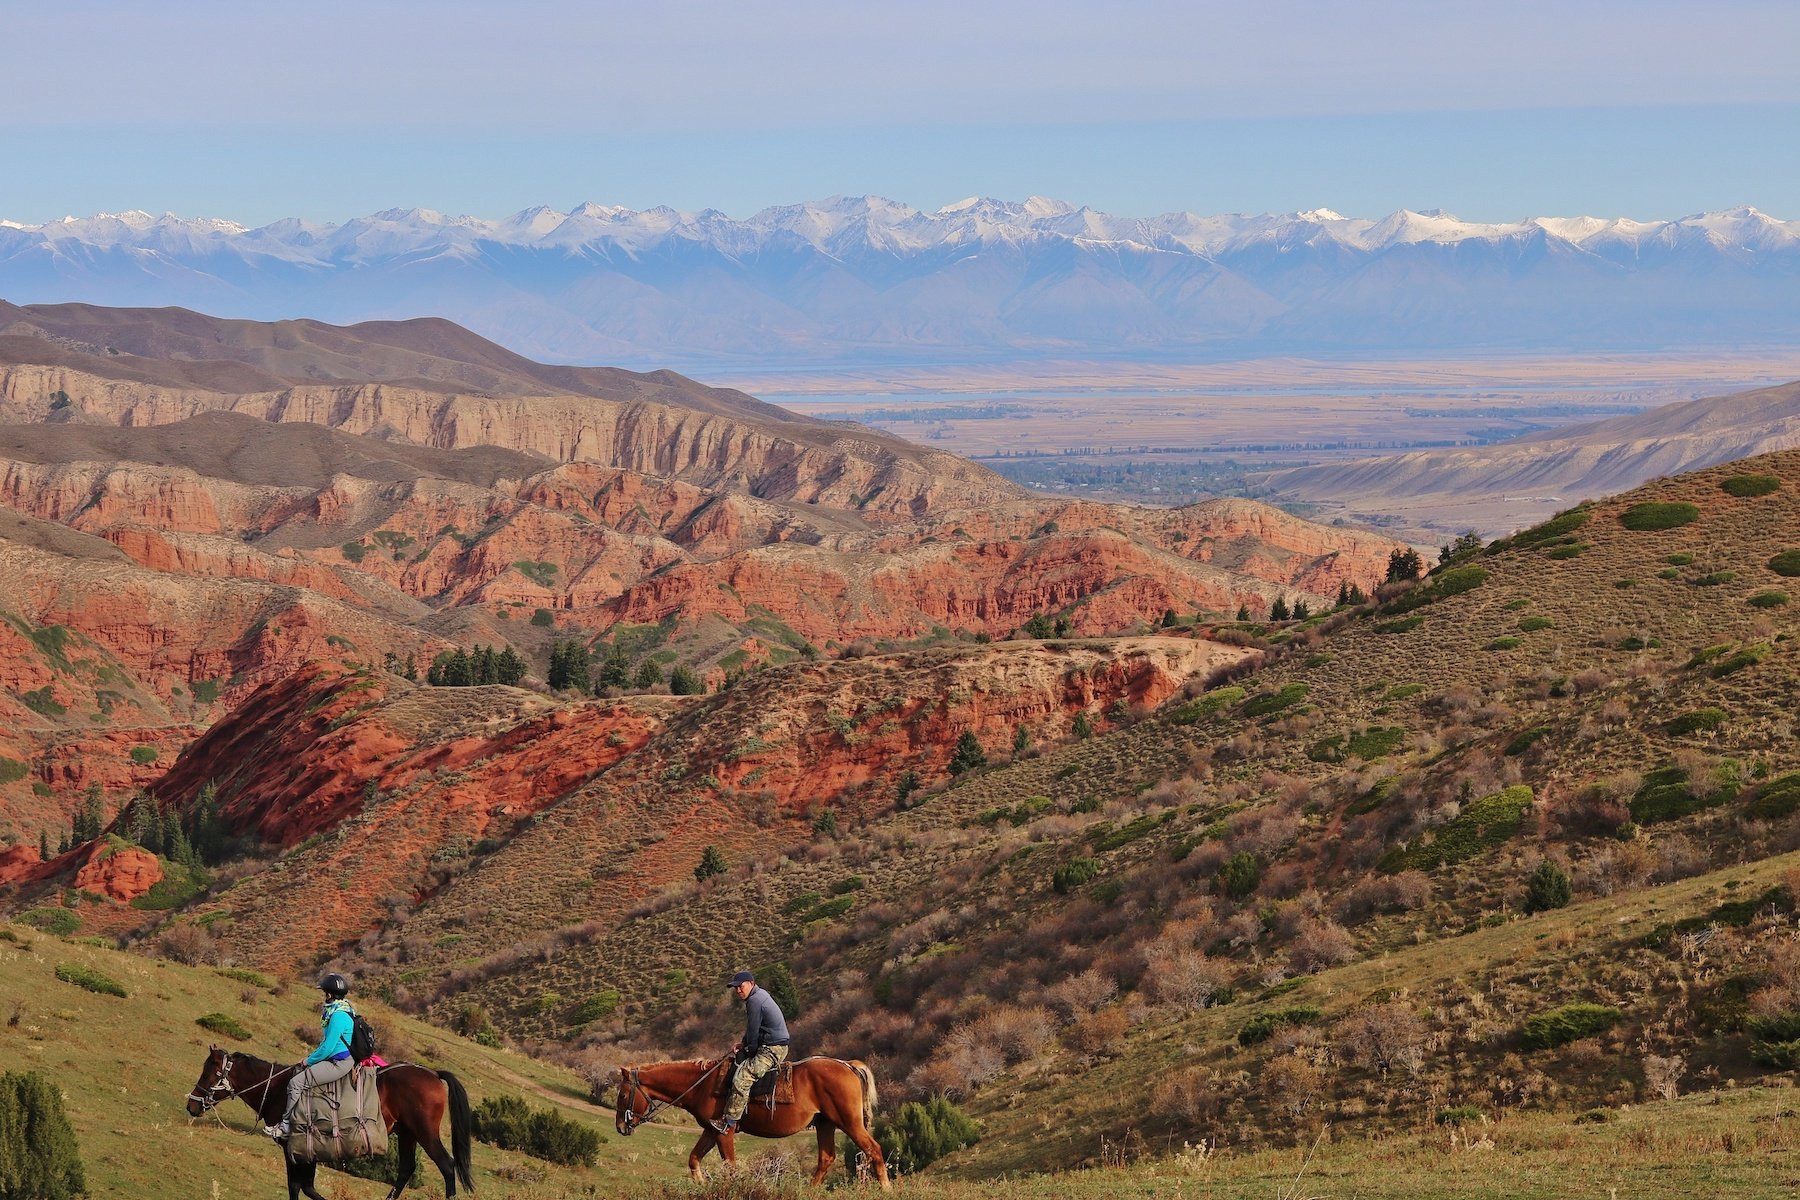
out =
column 1039, row 207
column 1320, row 215
column 963, row 205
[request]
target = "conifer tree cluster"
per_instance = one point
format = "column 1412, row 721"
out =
column 204, row 839
column 485, row 664
column 568, row 667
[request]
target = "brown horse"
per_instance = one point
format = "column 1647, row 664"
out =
column 413, row 1102
column 829, row 1094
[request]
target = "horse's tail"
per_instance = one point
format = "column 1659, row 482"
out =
column 868, row 1091
column 460, row 1127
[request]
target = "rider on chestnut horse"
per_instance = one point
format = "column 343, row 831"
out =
column 764, row 1047
column 331, row 1060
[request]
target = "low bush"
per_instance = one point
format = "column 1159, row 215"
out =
column 1262, row 1026
column 509, row 1123
column 1403, row 625
column 1747, row 486
column 1748, row 656
column 1403, row 691
column 1653, row 515
column 1240, row 875
column 1503, row 643
column 1570, row 1023
column 1548, row 887
column 224, row 1024
column 1769, row 599
column 1204, row 706
column 922, row 1131
column 1265, row 703
column 1776, row 799
column 1680, row 559
column 1555, row 527
column 12, row 770
column 1560, row 553
column 1073, row 874
column 1533, row 624
column 58, row 921
column 1451, row 582
column 1786, row 564
column 1525, row 740
column 1375, row 741
column 1665, row 796
column 1714, row 578
column 1482, row 825
column 1700, row 720
column 92, row 980
column 1461, row 1114
column 596, row 1007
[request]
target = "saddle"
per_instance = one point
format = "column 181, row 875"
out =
column 777, row 1087
column 339, row 1121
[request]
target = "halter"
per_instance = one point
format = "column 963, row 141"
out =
column 628, row 1110
column 222, row 1088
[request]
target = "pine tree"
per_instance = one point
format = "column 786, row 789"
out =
column 778, row 981
column 43, row 846
column 1302, row 610
column 1243, row 613
column 1343, row 595
column 1404, row 564
column 1061, row 627
column 1356, row 597
column 1547, row 888
column 509, row 668
column 1021, row 740
column 1169, row 619
column 39, row 1157
column 1083, row 726
column 648, row 675
column 481, row 666
column 1038, row 626
column 209, row 828
column 615, row 671
column 1279, row 610
column 712, row 862
column 968, row 754
column 411, row 670
column 683, row 682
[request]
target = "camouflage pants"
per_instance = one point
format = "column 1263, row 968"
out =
column 746, row 1075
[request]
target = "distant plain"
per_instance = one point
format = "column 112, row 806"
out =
column 1194, row 429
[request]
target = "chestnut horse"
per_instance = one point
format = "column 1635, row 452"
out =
column 829, row 1094
column 413, row 1102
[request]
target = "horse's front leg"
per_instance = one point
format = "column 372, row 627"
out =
column 303, row 1176
column 703, row 1147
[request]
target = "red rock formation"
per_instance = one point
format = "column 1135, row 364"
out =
column 121, row 873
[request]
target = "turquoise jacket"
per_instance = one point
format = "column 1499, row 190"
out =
column 336, row 1022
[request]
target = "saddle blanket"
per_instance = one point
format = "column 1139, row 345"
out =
column 339, row 1121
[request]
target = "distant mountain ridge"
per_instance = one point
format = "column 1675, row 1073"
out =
column 866, row 279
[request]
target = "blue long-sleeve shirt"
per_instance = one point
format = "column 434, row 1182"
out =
column 337, row 1025
column 763, row 1023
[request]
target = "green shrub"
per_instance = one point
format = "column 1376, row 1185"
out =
column 1265, row 703
column 1201, row 707
column 1105, row 839
column 1403, row 625
column 1547, row 887
column 1555, row 527
column 923, row 1131
column 1262, row 1026
column 1073, row 874
column 543, row 618
column 354, row 551
column 1745, row 487
column 12, row 770
column 1666, row 796
column 39, row 1157
column 509, row 1123
column 1680, row 559
column 1533, row 624
column 245, row 975
column 596, row 1007
column 1403, row 691
column 206, row 691
column 1240, row 875
column 1700, row 720
column 143, row 756
column 1525, row 739
column 1452, row 582
column 1749, row 656
column 1714, row 578
column 225, row 1024
column 1372, row 799
column 1560, row 553
column 1769, row 599
column 92, row 980
column 1653, row 515
column 1776, row 799
column 1375, row 741
column 1482, row 825
column 1786, row 564
column 1503, row 643
column 42, row 702
column 1571, row 1022
column 1461, row 1114
column 58, row 921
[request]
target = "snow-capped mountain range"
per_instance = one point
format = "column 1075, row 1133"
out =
column 863, row 279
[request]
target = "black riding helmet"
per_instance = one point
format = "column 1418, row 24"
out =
column 335, row 986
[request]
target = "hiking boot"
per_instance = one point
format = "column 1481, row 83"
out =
column 724, row 1126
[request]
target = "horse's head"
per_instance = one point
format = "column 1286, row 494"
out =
column 214, row 1083
column 633, row 1104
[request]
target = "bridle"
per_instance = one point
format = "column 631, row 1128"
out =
column 222, row 1088
column 628, row 1114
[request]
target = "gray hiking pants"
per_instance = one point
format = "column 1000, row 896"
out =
column 329, row 1071
column 747, row 1073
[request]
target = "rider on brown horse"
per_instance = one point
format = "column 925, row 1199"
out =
column 764, row 1047
column 332, row 1060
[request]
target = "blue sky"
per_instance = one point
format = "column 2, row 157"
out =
column 1492, row 111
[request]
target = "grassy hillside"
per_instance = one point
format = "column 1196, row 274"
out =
column 1609, row 694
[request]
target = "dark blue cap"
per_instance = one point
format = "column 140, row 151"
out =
column 742, row 977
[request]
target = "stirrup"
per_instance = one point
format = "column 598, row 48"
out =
column 723, row 1126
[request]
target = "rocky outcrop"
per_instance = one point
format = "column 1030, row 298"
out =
column 120, row 873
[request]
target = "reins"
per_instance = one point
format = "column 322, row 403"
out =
column 652, row 1105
